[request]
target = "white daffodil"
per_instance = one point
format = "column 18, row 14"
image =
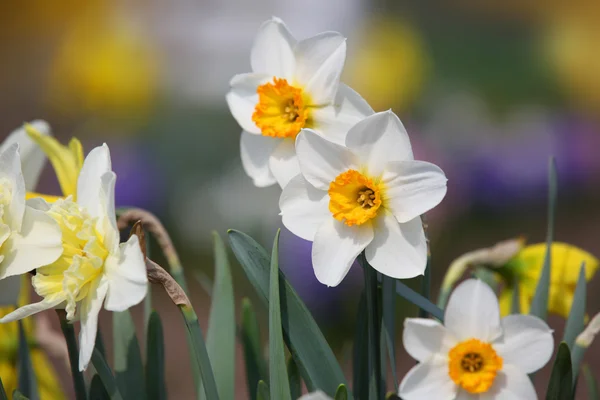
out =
column 475, row 354
column 293, row 85
column 94, row 269
column 367, row 196
column 32, row 156
column 28, row 237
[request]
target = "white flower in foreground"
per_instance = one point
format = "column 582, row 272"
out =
column 32, row 156
column 28, row 237
column 475, row 354
column 94, row 269
column 293, row 85
column 365, row 196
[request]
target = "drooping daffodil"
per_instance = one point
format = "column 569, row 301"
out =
column 94, row 269
column 293, row 85
column 475, row 354
column 526, row 268
column 67, row 161
column 368, row 195
column 29, row 238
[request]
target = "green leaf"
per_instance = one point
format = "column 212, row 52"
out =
column 97, row 389
column 262, row 391
column 220, row 338
column 3, row 395
column 100, row 343
column 515, row 305
column 128, row 366
column 199, row 350
column 539, row 303
column 360, row 382
column 389, row 321
column 373, row 325
column 19, row 396
column 404, row 291
column 108, row 380
column 279, row 385
column 591, row 383
column 561, row 379
column 341, row 393
column 426, row 283
column 27, row 381
column 303, row 337
column 155, row 359
column 69, row 334
column 575, row 321
column 295, row 379
column 256, row 369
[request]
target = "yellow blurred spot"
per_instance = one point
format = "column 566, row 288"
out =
column 389, row 65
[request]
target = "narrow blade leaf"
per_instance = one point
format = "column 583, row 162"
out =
column 341, row 393
column 27, row 381
column 262, row 391
column 561, row 379
column 220, row 337
column 97, row 389
column 407, row 293
column 256, row 369
column 575, row 322
column 155, row 359
column 279, row 385
column 591, row 383
column 360, row 382
column 539, row 303
column 128, row 366
column 295, row 379
column 106, row 375
column 389, row 322
column 301, row 333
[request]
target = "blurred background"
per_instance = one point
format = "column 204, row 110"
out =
column 488, row 92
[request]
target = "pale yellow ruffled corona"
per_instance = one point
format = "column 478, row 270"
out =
column 566, row 264
column 48, row 383
column 66, row 161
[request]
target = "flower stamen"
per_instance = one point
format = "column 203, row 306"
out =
column 354, row 198
column 473, row 365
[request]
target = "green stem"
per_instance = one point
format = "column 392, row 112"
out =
column 373, row 334
column 69, row 333
column 200, row 352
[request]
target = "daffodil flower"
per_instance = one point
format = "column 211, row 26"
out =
column 566, row 264
column 293, row 85
column 94, row 269
column 28, row 237
column 67, row 161
column 475, row 354
column 366, row 196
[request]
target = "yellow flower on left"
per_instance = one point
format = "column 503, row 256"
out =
column 565, row 268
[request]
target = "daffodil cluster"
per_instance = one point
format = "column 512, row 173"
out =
column 350, row 181
column 70, row 244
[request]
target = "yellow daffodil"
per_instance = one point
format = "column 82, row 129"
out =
column 48, row 383
column 566, row 264
column 66, row 161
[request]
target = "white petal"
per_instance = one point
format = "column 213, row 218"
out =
column 256, row 151
column 472, row 312
column 321, row 161
column 398, row 250
column 318, row 395
column 464, row 395
column 89, row 308
column 379, row 139
column 510, row 384
column 272, row 52
column 242, row 99
column 303, row 208
column 428, row 380
column 319, row 63
column 334, row 121
column 335, row 248
column 10, row 169
column 30, row 309
column 283, row 162
column 89, row 183
column 32, row 156
column 127, row 280
column 39, row 243
column 526, row 342
column 412, row 188
column 423, row 338
column 107, row 221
